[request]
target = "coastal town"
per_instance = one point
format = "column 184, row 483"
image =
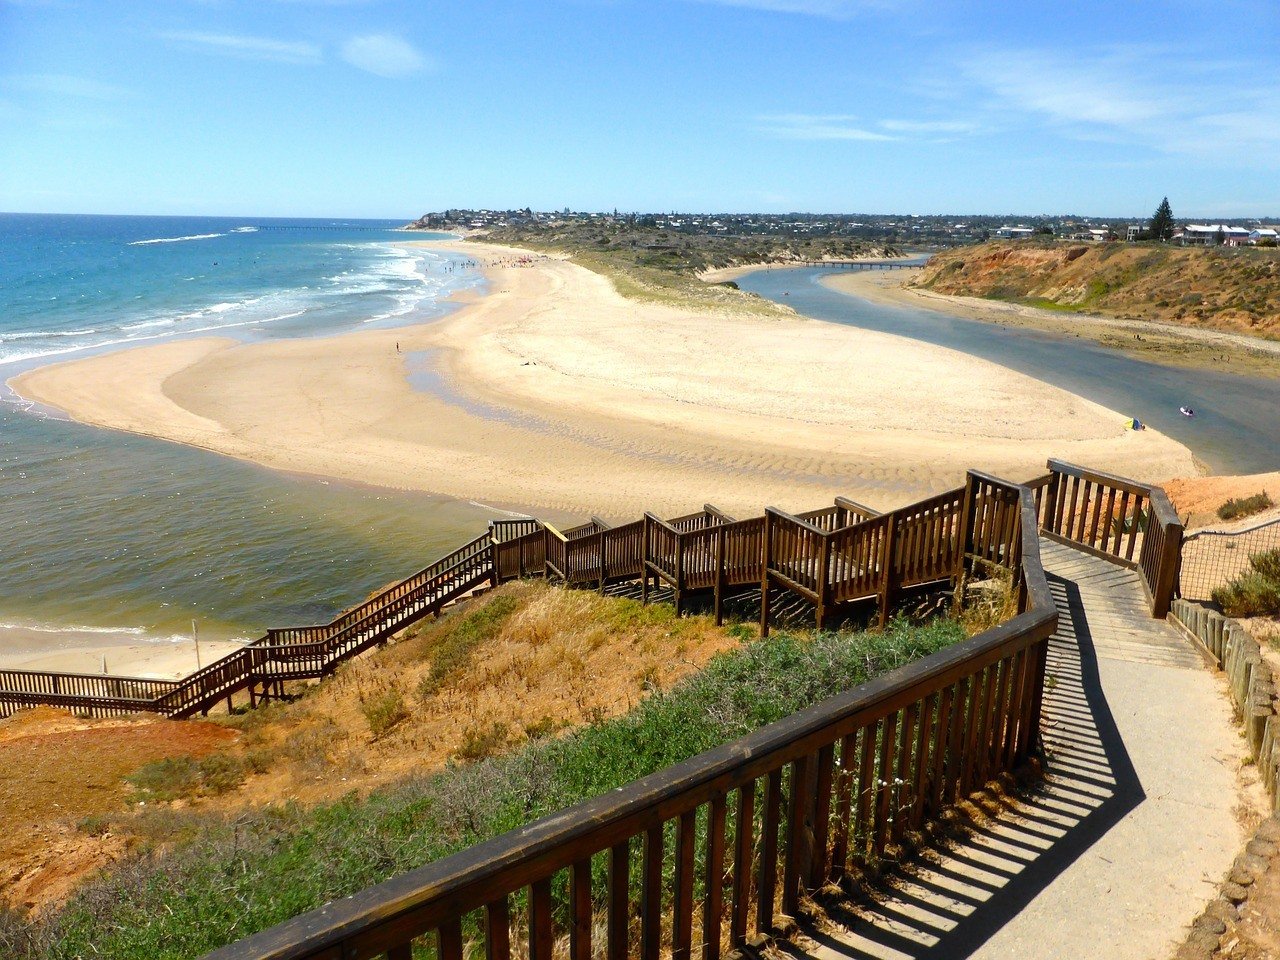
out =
column 926, row 231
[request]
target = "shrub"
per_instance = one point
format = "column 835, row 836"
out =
column 1256, row 592
column 384, row 710
column 482, row 740
column 1267, row 563
column 175, row 777
column 1245, row 506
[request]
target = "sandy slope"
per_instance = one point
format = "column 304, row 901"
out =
column 554, row 392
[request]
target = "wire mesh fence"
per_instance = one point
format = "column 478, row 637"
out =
column 1212, row 558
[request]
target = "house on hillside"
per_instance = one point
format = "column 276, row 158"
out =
column 1263, row 233
column 1206, row 235
column 1013, row 233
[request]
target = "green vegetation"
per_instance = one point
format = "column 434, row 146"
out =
column 206, row 880
column 1245, row 506
column 659, row 266
column 1256, row 592
column 1161, row 227
column 177, row 777
column 383, row 710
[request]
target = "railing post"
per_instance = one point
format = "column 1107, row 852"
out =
column 601, row 535
column 886, row 575
column 679, row 565
column 644, row 561
column 1170, row 557
column 965, row 530
column 1051, row 501
column 720, row 575
column 491, row 554
column 824, row 588
column 765, row 559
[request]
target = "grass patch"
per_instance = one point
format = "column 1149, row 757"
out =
column 175, row 778
column 383, row 710
column 1256, row 592
column 451, row 651
column 244, row 874
column 1238, row 507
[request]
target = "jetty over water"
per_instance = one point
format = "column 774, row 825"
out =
column 864, row 264
column 724, row 849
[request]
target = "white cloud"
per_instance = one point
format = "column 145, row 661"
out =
column 808, row 126
column 247, row 47
column 1114, row 95
column 63, row 85
column 934, row 127
column 384, row 55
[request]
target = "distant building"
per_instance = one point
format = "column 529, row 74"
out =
column 1132, row 231
column 1100, row 234
column 1206, row 235
column 1013, row 233
column 1263, row 233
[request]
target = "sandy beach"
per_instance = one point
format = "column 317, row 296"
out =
column 122, row 656
column 554, row 393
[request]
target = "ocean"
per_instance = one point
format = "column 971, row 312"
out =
column 108, row 536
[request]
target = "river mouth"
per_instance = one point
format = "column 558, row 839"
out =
column 1236, row 429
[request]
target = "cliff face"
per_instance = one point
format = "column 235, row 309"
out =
column 1227, row 288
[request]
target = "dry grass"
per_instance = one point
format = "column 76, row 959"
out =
column 518, row 663
column 1234, row 289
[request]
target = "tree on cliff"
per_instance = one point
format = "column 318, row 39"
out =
column 1162, row 221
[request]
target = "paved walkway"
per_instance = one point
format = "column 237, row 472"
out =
column 1126, row 840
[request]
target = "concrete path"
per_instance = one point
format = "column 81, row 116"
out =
column 1132, row 830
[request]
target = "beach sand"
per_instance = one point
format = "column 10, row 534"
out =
column 554, row 393
column 158, row 660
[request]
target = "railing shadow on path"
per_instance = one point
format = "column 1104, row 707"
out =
column 948, row 903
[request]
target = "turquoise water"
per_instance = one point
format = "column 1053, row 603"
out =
column 105, row 533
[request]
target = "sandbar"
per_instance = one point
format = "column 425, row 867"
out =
column 555, row 393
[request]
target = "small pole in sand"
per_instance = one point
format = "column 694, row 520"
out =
column 104, row 664
column 195, row 633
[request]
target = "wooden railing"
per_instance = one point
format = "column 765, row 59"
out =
column 289, row 653
column 755, row 823
column 1121, row 520
column 832, row 556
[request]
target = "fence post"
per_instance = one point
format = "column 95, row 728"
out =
column 491, row 552
column 602, row 534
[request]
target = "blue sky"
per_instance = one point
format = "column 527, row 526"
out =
column 395, row 107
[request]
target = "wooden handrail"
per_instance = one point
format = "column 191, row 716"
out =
column 1121, row 520
column 981, row 701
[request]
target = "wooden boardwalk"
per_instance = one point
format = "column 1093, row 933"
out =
column 1134, row 817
